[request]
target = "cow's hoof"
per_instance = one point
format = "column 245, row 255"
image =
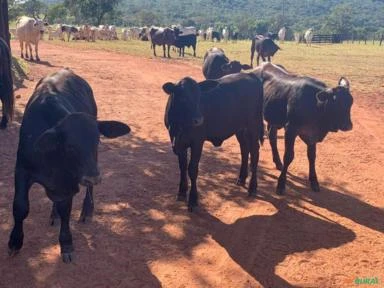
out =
column 85, row 217
column 67, row 257
column 13, row 251
column 252, row 193
column 315, row 187
column 181, row 197
column 280, row 190
column 37, row 59
column 192, row 206
column 240, row 182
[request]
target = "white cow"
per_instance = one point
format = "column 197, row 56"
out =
column 281, row 34
column 28, row 31
column 308, row 35
column 225, row 34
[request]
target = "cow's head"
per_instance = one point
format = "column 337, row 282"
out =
column 183, row 109
column 337, row 103
column 234, row 67
column 40, row 25
column 69, row 149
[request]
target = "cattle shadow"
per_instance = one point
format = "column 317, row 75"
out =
column 135, row 207
column 340, row 203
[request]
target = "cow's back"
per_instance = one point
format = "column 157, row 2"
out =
column 235, row 102
column 288, row 96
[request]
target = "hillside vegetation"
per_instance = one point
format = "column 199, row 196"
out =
column 348, row 17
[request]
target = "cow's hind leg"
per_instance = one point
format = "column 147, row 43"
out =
column 30, row 51
column 88, row 205
column 254, row 149
column 183, row 185
column 244, row 147
column 289, row 154
column 311, row 153
column 4, row 118
column 64, row 209
column 193, row 170
column 21, row 49
column 272, row 136
column 20, row 210
column 36, row 52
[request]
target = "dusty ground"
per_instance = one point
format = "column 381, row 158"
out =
column 141, row 237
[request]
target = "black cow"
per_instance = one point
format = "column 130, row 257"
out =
column 305, row 107
column 264, row 46
column 214, row 111
column 6, row 84
column 58, row 144
column 162, row 36
column 69, row 29
column 217, row 65
column 183, row 41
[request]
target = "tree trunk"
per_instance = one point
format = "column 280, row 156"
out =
column 4, row 28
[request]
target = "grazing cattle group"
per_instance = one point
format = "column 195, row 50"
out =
column 60, row 132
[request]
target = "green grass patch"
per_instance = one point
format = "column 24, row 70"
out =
column 20, row 70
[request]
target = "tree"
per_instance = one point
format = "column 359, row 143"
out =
column 33, row 8
column 4, row 28
column 93, row 10
column 57, row 13
column 339, row 21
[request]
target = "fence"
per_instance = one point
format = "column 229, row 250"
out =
column 327, row 38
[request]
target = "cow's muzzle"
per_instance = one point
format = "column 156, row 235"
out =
column 90, row 180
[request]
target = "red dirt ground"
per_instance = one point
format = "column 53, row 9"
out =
column 141, row 237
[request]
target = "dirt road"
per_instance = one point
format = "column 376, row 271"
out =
column 141, row 237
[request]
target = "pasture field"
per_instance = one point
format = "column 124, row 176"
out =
column 141, row 237
column 363, row 64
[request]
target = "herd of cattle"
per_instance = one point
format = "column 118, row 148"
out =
column 59, row 134
column 30, row 30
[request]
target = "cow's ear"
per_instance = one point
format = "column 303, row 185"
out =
column 48, row 141
column 113, row 129
column 169, row 88
column 207, row 85
column 246, row 67
column 343, row 82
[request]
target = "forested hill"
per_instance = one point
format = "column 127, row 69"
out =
column 357, row 17
column 325, row 15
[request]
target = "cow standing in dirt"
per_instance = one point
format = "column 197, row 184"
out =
column 305, row 107
column 58, row 142
column 29, row 31
column 6, row 84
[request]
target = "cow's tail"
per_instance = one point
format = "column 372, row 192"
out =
column 260, row 114
column 6, row 82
